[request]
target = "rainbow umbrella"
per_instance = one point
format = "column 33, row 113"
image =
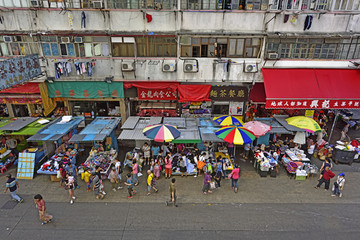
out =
column 235, row 135
column 226, row 120
column 161, row 132
column 257, row 128
column 305, row 123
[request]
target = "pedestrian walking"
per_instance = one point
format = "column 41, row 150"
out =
column 206, row 186
column 151, row 183
column 97, row 186
column 326, row 163
column 135, row 171
column 328, row 174
column 12, row 184
column 339, row 185
column 234, row 178
column 86, row 176
column 119, row 169
column 129, row 185
column 70, row 186
column 40, row 205
column 218, row 177
column 182, row 164
column 98, row 171
column 61, row 174
column 115, row 184
column 173, row 196
column 71, row 169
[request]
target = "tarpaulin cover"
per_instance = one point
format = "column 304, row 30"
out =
column 85, row 89
column 194, row 93
column 312, row 88
column 27, row 88
column 152, row 85
column 257, row 93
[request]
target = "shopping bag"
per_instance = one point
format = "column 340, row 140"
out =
column 58, row 174
column 212, row 185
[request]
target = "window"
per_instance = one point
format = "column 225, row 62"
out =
column 315, row 48
column 213, row 4
column 257, row 4
column 123, row 46
column 346, row 5
column 220, row 47
column 57, row 46
column 156, row 46
column 14, row 3
column 94, row 47
column 18, row 45
column 300, row 5
column 140, row 4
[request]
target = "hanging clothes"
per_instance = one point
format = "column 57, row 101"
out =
column 77, row 67
column 83, row 20
column 308, row 22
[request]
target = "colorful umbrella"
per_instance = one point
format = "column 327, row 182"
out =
column 161, row 132
column 235, row 135
column 226, row 120
column 257, row 128
column 303, row 122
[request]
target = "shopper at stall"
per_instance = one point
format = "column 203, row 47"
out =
column 146, row 150
column 71, row 169
column 344, row 132
column 180, row 147
column 218, row 177
column 230, row 148
column 11, row 144
column 156, row 169
column 40, row 205
column 97, row 187
column 165, row 150
column 70, row 186
column 150, row 183
column 168, row 165
column 129, row 185
column 135, row 171
column 339, row 185
column 62, row 174
column 155, row 149
column 206, row 186
column 182, row 164
column 247, row 147
column 118, row 169
column 328, row 174
column 114, row 179
column 234, row 178
column 173, row 196
column 87, row 175
column 12, row 184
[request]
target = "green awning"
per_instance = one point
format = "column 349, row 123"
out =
column 31, row 129
column 186, row 141
column 3, row 122
column 85, row 89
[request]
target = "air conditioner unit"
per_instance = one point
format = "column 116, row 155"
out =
column 35, row 3
column 78, row 40
column 97, row 4
column 169, row 66
column 250, row 68
column 191, row 66
column 7, row 39
column 65, row 39
column 273, row 56
column 127, row 66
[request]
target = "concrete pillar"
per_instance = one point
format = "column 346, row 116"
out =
column 31, row 108
column 10, row 110
column 67, row 106
column 123, row 110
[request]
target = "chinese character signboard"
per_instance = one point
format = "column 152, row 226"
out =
column 313, row 104
column 229, row 93
column 157, row 94
column 19, row 70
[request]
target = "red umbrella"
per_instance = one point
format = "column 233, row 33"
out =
column 257, row 128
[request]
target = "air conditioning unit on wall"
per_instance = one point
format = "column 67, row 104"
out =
column 97, row 4
column 169, row 66
column 191, row 66
column 65, row 39
column 78, row 40
column 7, row 39
column 273, row 56
column 250, row 68
column 127, row 66
column 35, row 3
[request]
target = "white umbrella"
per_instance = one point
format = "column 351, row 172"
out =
column 299, row 138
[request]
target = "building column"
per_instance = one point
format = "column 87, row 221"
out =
column 67, row 106
column 122, row 110
column 31, row 109
column 10, row 110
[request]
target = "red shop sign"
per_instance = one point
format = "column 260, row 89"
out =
column 313, row 104
column 153, row 94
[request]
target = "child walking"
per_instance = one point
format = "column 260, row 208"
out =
column 150, row 183
column 40, row 205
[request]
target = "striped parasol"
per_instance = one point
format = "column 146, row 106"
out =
column 226, row 120
column 161, row 132
column 235, row 135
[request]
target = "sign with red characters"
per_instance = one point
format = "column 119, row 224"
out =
column 161, row 94
column 313, row 104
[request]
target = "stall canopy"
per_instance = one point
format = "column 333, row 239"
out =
column 276, row 127
column 194, row 93
column 97, row 130
column 25, row 93
column 282, row 120
column 3, row 122
column 133, row 127
column 257, row 93
column 18, row 123
column 189, row 132
column 57, row 129
column 312, row 88
column 33, row 127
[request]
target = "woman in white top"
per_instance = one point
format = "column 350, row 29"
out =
column 146, row 150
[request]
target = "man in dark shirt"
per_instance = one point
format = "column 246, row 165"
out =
column 172, row 194
column 12, row 184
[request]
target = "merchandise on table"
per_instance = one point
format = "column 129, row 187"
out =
column 101, row 159
column 190, row 164
column 266, row 161
column 52, row 165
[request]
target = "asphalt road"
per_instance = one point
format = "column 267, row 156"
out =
column 188, row 221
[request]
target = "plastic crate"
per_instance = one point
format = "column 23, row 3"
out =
column 263, row 173
column 300, row 178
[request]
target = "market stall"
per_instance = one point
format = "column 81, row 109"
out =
column 346, row 152
column 101, row 159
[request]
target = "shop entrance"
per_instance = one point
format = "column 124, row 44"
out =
column 20, row 110
column 91, row 109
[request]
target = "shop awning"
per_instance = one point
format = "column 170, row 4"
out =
column 208, row 134
column 97, row 130
column 257, row 93
column 133, row 127
column 18, row 123
column 27, row 93
column 282, row 120
column 312, row 88
column 152, row 85
column 57, row 129
column 276, row 127
column 32, row 128
column 85, row 89
column 27, row 88
column 194, row 93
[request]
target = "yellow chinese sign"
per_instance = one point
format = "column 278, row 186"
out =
column 229, row 93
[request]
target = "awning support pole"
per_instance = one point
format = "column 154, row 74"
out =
column 333, row 126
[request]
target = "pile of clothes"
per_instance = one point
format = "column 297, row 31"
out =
column 266, row 160
column 101, row 159
column 52, row 165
